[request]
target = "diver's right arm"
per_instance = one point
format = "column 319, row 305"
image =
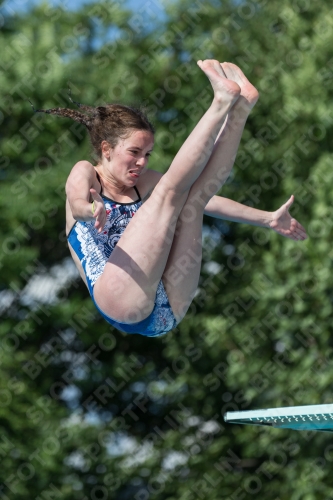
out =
column 80, row 191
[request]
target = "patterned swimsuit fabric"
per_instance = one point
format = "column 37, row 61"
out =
column 94, row 249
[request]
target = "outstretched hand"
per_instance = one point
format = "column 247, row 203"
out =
column 99, row 212
column 283, row 223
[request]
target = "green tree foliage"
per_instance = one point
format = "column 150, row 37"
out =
column 89, row 413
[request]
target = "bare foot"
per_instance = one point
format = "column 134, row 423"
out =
column 248, row 91
column 225, row 90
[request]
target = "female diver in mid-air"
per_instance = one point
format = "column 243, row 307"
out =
column 135, row 234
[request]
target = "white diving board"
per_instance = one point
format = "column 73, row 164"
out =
column 300, row 418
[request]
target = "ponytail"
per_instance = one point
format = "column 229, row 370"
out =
column 104, row 123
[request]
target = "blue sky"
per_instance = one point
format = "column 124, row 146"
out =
column 17, row 6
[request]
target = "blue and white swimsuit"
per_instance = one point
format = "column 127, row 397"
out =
column 94, row 249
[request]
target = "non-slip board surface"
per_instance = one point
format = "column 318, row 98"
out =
column 300, row 418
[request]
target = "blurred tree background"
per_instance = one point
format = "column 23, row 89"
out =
column 89, row 413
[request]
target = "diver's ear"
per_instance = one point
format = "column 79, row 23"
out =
column 106, row 150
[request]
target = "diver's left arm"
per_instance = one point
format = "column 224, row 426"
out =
column 280, row 221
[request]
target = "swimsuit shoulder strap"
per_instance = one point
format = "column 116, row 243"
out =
column 137, row 192
column 99, row 180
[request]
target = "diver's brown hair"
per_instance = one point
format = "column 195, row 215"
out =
column 105, row 123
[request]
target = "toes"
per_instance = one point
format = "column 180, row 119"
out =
column 227, row 70
column 224, row 73
column 211, row 64
column 218, row 67
column 234, row 72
